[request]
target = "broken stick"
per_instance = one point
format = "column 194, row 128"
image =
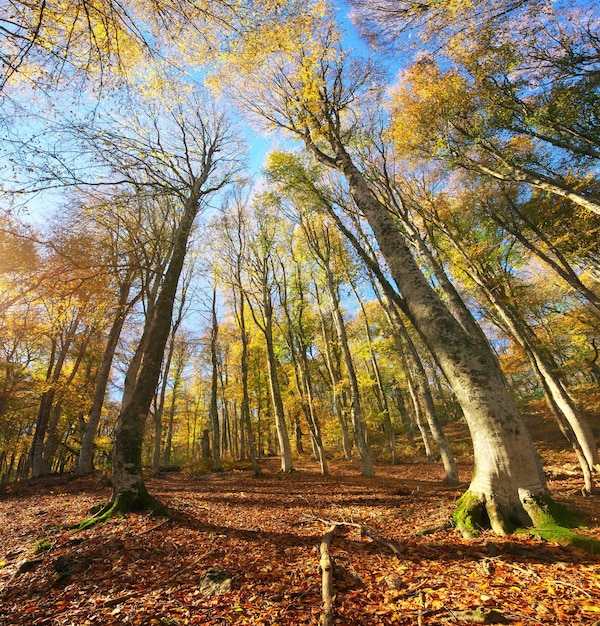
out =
column 327, row 577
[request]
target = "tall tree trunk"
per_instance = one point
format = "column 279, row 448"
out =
column 338, row 406
column 85, row 461
column 404, row 417
column 402, row 339
column 298, row 349
column 214, row 387
column 283, row 439
column 129, row 489
column 360, row 429
column 577, row 429
column 508, row 483
column 245, row 407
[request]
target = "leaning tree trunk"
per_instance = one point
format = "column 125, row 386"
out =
column 360, row 429
column 128, row 488
column 402, row 338
column 508, row 484
column 571, row 423
column 85, row 461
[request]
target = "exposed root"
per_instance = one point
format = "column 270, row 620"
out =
column 122, row 503
column 546, row 519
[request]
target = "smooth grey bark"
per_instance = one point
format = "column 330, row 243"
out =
column 573, row 425
column 402, row 337
column 356, row 413
column 180, row 362
column 283, row 439
column 507, row 475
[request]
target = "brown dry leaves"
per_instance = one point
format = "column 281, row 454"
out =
column 141, row 570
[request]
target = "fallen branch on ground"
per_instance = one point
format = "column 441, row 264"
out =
column 327, row 577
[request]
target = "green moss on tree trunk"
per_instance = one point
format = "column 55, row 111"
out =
column 135, row 499
column 470, row 514
column 551, row 521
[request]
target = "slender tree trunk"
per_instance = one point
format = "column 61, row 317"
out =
column 360, row 429
column 214, row 387
column 404, row 417
column 338, row 406
column 57, row 360
column 85, row 461
column 380, row 394
column 283, row 439
column 245, row 407
column 298, row 350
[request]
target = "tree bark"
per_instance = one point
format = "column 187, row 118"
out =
column 507, row 478
column 214, row 387
column 85, row 461
column 129, row 490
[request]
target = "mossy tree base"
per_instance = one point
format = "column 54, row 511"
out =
column 549, row 520
column 122, row 503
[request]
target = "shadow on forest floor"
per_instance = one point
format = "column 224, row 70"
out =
column 265, row 533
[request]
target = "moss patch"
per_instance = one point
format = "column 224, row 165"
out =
column 470, row 514
column 546, row 513
column 124, row 502
column 566, row 537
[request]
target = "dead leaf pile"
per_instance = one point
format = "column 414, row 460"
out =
column 240, row 550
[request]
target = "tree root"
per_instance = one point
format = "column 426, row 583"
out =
column 548, row 520
column 122, row 503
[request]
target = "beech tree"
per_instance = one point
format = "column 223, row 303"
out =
column 233, row 244
column 260, row 279
column 315, row 96
column 186, row 153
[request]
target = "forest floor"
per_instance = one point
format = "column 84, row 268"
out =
column 264, row 533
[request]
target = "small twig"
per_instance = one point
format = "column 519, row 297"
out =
column 559, row 582
column 364, row 530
